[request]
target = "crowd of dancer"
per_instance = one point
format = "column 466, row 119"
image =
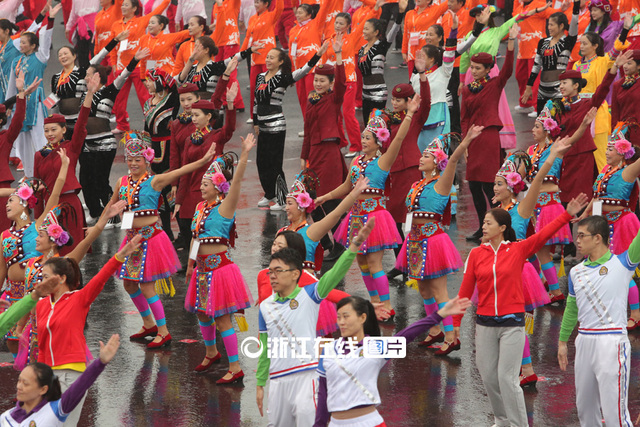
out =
column 386, row 180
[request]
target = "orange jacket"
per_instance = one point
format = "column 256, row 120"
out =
column 465, row 23
column 362, row 15
column 304, row 40
column 533, row 28
column 225, row 18
column 161, row 47
column 350, row 48
column 624, row 7
column 137, row 26
column 335, row 8
column 104, row 22
column 416, row 26
column 184, row 52
column 261, row 30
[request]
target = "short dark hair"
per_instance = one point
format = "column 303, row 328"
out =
column 162, row 20
column 596, row 224
column 33, row 39
column 294, row 241
column 289, row 256
column 208, row 43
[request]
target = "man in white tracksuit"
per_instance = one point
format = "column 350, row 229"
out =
column 598, row 291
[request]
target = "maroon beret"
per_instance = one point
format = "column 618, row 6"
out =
column 325, row 70
column 636, row 54
column 55, row 118
column 203, row 105
column 188, row 88
column 482, row 58
column 403, row 90
column 570, row 74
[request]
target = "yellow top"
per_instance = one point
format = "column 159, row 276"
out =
column 594, row 71
column 78, row 366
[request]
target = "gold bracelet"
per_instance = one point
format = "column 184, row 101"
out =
column 121, row 261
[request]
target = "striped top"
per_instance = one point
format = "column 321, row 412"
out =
column 207, row 78
column 371, row 65
column 267, row 110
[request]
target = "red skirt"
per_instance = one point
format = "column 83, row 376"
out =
column 485, row 156
column 398, row 186
column 326, row 160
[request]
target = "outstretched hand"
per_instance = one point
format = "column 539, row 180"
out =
column 109, row 350
column 414, row 103
column 63, row 157
column 363, row 235
column 248, row 143
column 577, row 204
column 361, row 185
column 454, row 307
column 323, row 48
column 131, row 246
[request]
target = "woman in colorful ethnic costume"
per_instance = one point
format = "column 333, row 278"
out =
column 509, row 183
column 51, row 239
column 374, row 166
column 156, row 259
column 203, row 114
column 19, row 241
column 480, row 101
column 545, row 130
column 47, row 164
column 428, row 255
column 216, row 287
column 617, row 189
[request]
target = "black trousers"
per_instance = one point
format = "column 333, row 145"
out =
column 84, row 50
column 95, row 167
column 166, row 209
column 482, row 193
column 368, row 106
column 269, row 156
column 454, row 110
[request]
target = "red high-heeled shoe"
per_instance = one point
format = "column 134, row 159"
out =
column 452, row 346
column 556, row 298
column 529, row 381
column 165, row 341
column 215, row 359
column 237, row 377
column 432, row 339
column 146, row 332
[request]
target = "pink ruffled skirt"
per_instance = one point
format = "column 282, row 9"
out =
column 547, row 209
column 533, row 290
column 623, row 227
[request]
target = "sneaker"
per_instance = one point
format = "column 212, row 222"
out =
column 20, row 168
column 264, row 202
column 250, row 121
column 351, row 154
column 276, row 207
column 533, row 115
column 113, row 223
column 301, row 134
column 84, row 206
column 523, row 110
column 403, row 65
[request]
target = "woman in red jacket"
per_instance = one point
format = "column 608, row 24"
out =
column 62, row 316
column 495, row 268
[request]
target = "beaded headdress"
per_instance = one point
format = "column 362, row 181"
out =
column 305, row 182
column 136, row 144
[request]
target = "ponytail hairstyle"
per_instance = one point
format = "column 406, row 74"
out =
column 203, row 23
column 164, row 21
column 440, row 32
column 46, row 377
column 363, row 306
column 209, row 44
column 311, row 10
column 286, row 61
column 582, row 83
column 346, row 17
column 5, row 25
column 102, row 71
column 433, row 52
column 63, row 266
column 594, row 38
column 32, row 38
column 503, row 217
column 560, row 19
column 379, row 26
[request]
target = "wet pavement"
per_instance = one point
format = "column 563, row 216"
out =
column 159, row 388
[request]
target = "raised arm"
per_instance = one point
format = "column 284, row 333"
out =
column 19, row 113
column 322, row 227
column 46, row 35
column 228, row 206
column 80, row 130
column 111, row 210
column 301, row 72
column 387, row 159
column 57, row 186
column 162, row 180
column 109, row 47
column 444, row 183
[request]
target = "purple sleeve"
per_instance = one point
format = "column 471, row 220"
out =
column 412, row 331
column 76, row 391
column 322, row 412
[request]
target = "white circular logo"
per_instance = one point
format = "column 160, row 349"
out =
column 246, row 347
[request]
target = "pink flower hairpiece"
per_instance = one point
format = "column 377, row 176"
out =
column 220, row 182
column 305, row 202
column 25, row 193
column 624, row 148
column 383, row 134
column 149, row 154
column 515, row 182
column 551, row 126
column 57, row 235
